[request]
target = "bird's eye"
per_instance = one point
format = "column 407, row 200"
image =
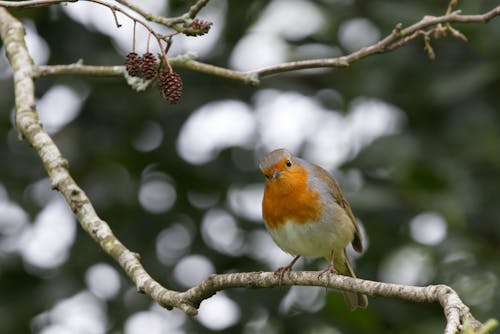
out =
column 288, row 163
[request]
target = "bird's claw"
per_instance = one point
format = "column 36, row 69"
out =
column 328, row 271
column 281, row 271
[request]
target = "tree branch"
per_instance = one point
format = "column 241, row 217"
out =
column 396, row 39
column 173, row 22
column 78, row 68
column 32, row 3
column 456, row 312
column 29, row 127
column 183, row 61
column 169, row 22
column 12, row 33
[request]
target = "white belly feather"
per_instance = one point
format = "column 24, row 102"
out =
column 316, row 239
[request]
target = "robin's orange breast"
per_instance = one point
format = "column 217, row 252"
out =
column 289, row 197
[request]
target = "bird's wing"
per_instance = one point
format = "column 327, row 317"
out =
column 336, row 193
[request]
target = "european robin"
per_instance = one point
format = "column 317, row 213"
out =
column 307, row 215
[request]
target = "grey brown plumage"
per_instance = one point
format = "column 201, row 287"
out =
column 307, row 215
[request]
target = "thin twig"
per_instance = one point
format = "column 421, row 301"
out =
column 452, row 4
column 144, row 24
column 133, row 37
column 32, row 3
column 184, row 61
column 169, row 22
column 78, row 68
column 195, row 9
column 114, row 9
column 173, row 22
column 396, row 39
column 391, row 42
column 118, row 24
column 148, row 16
column 147, row 44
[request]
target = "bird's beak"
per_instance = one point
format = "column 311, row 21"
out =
column 275, row 174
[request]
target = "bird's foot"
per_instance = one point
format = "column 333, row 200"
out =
column 281, row 271
column 328, row 271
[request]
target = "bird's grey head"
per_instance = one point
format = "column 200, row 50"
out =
column 273, row 158
column 273, row 164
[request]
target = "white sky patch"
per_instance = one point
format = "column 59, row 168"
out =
column 172, row 243
column 339, row 138
column 37, row 46
column 96, row 17
column 156, row 321
column 221, row 232
column 292, row 19
column 255, row 51
column 428, row 228
column 149, row 138
column 202, row 200
column 13, row 221
column 81, row 313
column 371, row 118
column 146, row 322
column 202, row 46
column 156, row 193
column 246, row 201
column 103, row 280
column 58, row 107
column 308, row 299
column 192, row 270
column 218, row 312
column 213, row 127
column 46, row 244
column 328, row 146
column 265, row 43
column 407, row 265
column 286, row 119
column 40, row 192
column 261, row 247
column 357, row 33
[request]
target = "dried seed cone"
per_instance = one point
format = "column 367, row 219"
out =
column 170, row 86
column 132, row 63
column 198, row 27
column 149, row 65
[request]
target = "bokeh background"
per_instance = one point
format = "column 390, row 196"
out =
column 414, row 143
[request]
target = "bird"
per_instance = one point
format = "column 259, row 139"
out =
column 306, row 215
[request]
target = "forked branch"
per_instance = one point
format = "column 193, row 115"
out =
column 428, row 27
column 459, row 318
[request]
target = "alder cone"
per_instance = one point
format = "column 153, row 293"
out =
column 197, row 27
column 170, row 86
column 149, row 65
column 132, row 63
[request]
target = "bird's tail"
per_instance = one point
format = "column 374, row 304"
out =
column 352, row 299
